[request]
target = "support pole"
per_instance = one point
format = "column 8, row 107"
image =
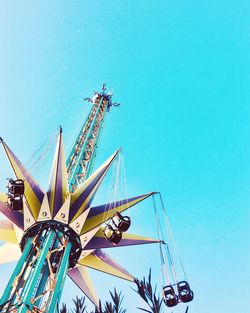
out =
column 62, row 272
column 42, row 284
column 27, row 296
column 19, row 267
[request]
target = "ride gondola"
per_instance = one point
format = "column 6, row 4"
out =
column 16, row 187
column 112, row 234
column 117, row 225
column 15, row 194
column 121, row 222
column 184, row 291
column 169, row 296
column 16, row 203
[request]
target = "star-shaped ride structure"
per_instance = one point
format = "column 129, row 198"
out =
column 69, row 210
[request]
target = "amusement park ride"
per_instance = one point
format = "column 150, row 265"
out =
column 57, row 233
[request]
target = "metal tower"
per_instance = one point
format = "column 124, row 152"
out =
column 81, row 158
column 58, row 233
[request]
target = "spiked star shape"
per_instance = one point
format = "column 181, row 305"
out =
column 73, row 209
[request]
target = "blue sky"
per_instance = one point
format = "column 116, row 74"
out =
column 180, row 70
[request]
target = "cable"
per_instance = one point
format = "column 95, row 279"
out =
column 163, row 267
column 111, row 194
column 46, row 145
column 124, row 177
column 160, row 235
column 168, row 227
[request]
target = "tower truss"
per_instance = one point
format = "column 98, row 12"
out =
column 82, row 155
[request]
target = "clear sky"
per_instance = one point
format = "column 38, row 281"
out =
column 180, row 70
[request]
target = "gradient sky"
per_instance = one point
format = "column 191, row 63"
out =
column 180, row 70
